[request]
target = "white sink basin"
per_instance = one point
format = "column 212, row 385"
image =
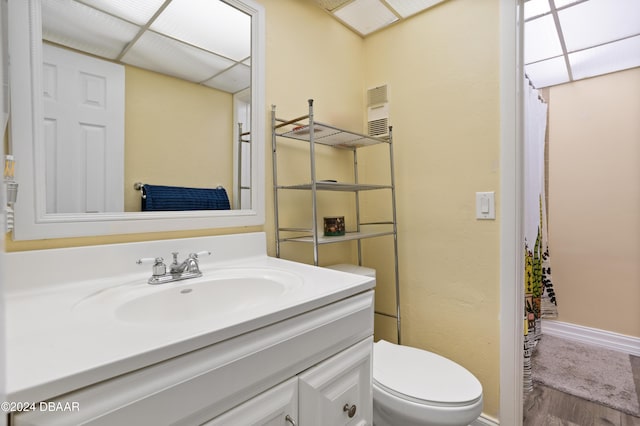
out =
column 219, row 292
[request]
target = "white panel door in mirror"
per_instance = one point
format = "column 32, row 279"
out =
column 84, row 132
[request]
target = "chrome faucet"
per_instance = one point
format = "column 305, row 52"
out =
column 190, row 264
column 189, row 268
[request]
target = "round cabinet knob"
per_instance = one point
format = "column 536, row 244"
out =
column 350, row 410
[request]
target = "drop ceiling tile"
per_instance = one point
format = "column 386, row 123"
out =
column 138, row 12
column 547, row 73
column 541, row 39
column 407, row 8
column 535, row 8
column 217, row 27
column 599, row 21
column 366, row 16
column 162, row 54
column 331, row 4
column 81, row 27
column 563, row 3
column 233, row 80
column 616, row 56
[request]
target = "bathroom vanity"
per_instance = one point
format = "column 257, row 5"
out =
column 255, row 340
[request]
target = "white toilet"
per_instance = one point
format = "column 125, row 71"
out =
column 414, row 387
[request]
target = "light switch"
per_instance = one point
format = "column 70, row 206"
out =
column 485, row 205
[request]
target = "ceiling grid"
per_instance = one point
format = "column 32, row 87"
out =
column 212, row 47
column 565, row 40
column 595, row 37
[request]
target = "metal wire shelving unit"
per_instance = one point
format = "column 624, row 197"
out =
column 306, row 129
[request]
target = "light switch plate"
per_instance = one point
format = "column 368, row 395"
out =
column 485, row 205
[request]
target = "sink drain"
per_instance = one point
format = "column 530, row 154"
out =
column 186, row 290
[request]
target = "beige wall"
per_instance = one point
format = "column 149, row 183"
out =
column 177, row 133
column 442, row 72
column 594, row 201
column 312, row 56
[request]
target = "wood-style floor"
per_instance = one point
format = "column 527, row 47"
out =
column 545, row 406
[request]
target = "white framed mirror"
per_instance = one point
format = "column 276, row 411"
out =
column 236, row 77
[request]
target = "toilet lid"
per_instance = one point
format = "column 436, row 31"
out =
column 423, row 376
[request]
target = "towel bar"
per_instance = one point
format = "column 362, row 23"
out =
column 138, row 186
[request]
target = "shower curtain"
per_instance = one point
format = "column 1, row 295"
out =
column 540, row 298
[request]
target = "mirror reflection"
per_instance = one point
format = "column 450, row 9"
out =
column 153, row 92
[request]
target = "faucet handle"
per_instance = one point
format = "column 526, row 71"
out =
column 200, row 253
column 149, row 260
column 158, row 269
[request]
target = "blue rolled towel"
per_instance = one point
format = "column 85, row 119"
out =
column 172, row 198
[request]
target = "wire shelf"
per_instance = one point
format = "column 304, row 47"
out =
column 349, row 236
column 337, row 186
column 328, row 135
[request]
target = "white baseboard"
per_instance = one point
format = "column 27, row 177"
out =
column 485, row 420
column 592, row 336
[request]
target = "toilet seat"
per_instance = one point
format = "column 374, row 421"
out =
column 423, row 377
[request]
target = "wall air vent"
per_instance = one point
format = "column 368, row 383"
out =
column 378, row 121
column 377, row 96
column 378, row 111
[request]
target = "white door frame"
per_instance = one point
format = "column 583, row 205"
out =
column 3, row 111
column 241, row 162
column 511, row 211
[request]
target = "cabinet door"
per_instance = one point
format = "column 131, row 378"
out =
column 277, row 406
column 338, row 391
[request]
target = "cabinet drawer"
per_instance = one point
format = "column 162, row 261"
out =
column 338, row 391
column 270, row 408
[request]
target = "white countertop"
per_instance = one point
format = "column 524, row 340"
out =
column 53, row 348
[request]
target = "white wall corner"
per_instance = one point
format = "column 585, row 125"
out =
column 592, row 336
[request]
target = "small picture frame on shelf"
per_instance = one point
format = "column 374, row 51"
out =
column 334, row 226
